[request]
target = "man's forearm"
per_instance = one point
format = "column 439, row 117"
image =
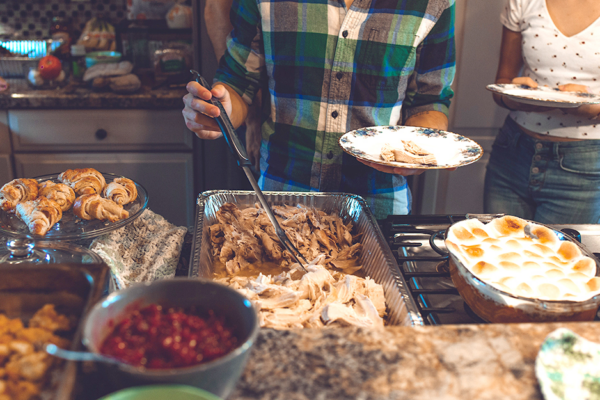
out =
column 216, row 18
column 429, row 119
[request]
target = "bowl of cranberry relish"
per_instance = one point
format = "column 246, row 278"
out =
column 175, row 331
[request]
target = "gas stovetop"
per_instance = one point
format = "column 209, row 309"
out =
column 417, row 242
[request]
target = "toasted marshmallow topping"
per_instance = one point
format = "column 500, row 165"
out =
column 524, row 259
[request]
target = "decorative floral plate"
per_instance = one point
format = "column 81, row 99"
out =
column 568, row 367
column 544, row 96
column 449, row 149
column 71, row 227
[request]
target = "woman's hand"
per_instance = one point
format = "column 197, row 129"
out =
column 590, row 111
column 513, row 105
column 572, row 87
column 199, row 115
column 525, row 80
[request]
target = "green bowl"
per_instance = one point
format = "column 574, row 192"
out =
column 102, row 57
column 161, row 392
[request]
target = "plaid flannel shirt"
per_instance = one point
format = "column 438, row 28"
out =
column 330, row 70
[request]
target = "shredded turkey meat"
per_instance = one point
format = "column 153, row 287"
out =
column 313, row 299
column 244, row 237
column 327, row 294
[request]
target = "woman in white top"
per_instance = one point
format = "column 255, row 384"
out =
column 545, row 162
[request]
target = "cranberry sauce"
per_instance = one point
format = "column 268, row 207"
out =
column 158, row 338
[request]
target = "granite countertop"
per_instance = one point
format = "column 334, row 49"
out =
column 493, row 361
column 20, row 95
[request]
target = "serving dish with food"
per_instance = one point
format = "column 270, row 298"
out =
column 515, row 270
column 75, row 204
column 411, row 147
column 544, row 96
column 364, row 289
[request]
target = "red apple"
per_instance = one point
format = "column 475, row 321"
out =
column 49, row 67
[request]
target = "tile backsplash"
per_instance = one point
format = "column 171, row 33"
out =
column 31, row 18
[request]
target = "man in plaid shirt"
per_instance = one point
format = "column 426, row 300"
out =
column 331, row 67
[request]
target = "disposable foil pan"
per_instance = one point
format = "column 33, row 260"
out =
column 376, row 256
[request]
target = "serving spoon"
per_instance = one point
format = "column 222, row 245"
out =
column 70, row 355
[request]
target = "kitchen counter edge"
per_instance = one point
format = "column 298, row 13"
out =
column 20, row 96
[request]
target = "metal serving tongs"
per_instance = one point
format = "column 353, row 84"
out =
column 239, row 152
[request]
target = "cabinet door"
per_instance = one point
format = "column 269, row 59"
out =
column 167, row 177
column 98, row 130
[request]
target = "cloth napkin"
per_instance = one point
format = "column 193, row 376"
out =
column 568, row 367
column 145, row 250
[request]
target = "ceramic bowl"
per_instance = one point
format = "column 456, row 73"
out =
column 161, row 392
column 218, row 376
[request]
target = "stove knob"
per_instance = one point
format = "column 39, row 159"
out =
column 573, row 233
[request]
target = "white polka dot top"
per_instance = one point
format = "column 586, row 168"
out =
column 551, row 58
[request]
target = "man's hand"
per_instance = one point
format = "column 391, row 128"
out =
column 199, row 115
column 392, row 170
column 396, row 170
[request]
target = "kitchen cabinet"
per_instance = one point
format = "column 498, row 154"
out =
column 152, row 147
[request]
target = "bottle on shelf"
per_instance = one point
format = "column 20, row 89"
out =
column 77, row 62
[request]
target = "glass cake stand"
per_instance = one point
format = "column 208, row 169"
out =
column 71, row 227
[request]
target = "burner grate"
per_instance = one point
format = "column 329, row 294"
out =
column 412, row 240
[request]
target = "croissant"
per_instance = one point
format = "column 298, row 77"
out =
column 17, row 191
column 92, row 206
column 122, row 191
column 59, row 192
column 40, row 214
column 83, row 181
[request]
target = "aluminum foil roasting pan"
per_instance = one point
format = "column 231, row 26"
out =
column 376, row 257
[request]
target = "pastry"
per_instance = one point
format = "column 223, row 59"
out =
column 407, row 152
column 92, row 206
column 17, row 191
column 59, row 192
column 83, row 181
column 40, row 214
column 122, row 191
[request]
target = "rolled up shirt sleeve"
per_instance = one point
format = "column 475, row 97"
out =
column 429, row 88
column 243, row 64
